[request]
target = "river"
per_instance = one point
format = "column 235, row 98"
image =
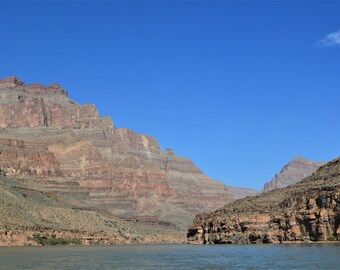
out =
column 285, row 256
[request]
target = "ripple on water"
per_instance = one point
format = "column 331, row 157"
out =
column 299, row 256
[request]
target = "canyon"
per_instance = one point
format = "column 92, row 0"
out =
column 52, row 145
column 67, row 172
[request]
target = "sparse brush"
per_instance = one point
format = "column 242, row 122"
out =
column 53, row 241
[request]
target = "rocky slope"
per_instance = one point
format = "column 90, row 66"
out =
column 239, row 192
column 25, row 212
column 52, row 144
column 304, row 212
column 293, row 172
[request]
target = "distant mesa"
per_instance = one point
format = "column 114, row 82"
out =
column 240, row 192
column 293, row 172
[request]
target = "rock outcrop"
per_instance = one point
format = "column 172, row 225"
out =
column 52, row 144
column 293, row 172
column 308, row 211
column 18, row 157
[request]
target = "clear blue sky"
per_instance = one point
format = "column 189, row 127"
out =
column 240, row 88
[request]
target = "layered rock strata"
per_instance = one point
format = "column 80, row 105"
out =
column 26, row 212
column 308, row 211
column 293, row 172
column 18, row 157
column 68, row 148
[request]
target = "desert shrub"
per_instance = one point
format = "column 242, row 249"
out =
column 332, row 238
column 53, row 241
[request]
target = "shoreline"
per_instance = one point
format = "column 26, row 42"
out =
column 51, row 237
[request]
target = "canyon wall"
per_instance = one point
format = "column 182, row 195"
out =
column 308, row 211
column 54, row 144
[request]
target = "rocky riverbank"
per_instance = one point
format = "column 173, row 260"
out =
column 308, row 211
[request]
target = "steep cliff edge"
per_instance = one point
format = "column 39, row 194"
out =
column 52, row 144
column 304, row 212
column 293, row 172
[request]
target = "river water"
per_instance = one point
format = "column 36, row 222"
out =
column 298, row 256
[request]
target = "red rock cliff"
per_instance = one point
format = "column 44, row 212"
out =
column 125, row 172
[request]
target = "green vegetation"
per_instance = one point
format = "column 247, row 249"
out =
column 333, row 238
column 53, row 241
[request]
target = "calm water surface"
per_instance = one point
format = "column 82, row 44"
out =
column 304, row 256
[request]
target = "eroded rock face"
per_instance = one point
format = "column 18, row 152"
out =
column 293, row 172
column 308, row 211
column 22, row 158
column 122, row 171
column 197, row 191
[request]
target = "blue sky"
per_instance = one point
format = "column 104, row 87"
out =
column 241, row 88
